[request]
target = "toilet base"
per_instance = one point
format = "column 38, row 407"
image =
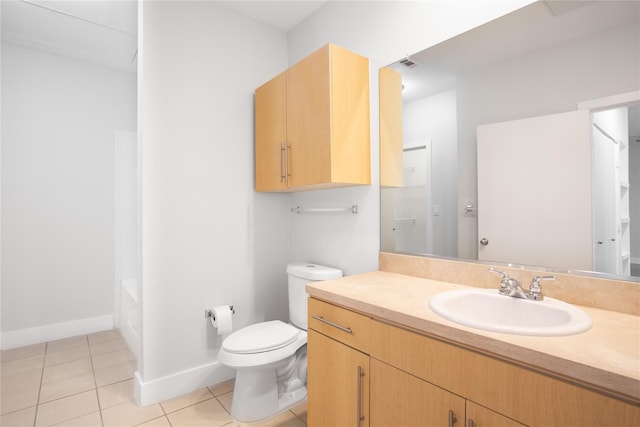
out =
column 255, row 395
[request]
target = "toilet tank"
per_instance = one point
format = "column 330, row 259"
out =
column 300, row 274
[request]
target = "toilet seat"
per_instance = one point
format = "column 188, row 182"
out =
column 261, row 337
column 261, row 345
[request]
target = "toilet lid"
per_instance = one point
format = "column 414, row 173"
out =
column 261, row 337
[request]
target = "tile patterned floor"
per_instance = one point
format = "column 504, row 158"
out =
column 87, row 381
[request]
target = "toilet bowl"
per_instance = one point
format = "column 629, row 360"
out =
column 271, row 357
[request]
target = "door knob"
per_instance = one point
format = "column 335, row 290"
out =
column 484, row 241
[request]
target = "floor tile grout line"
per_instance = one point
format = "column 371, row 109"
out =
column 95, row 383
column 44, row 361
column 189, row 406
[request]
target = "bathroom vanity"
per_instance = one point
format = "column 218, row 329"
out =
column 378, row 356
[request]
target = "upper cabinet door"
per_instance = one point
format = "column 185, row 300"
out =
column 391, row 171
column 271, row 135
column 309, row 119
column 327, row 125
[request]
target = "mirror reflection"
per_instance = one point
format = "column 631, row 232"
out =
column 519, row 141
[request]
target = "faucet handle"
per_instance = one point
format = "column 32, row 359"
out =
column 535, row 290
column 505, row 283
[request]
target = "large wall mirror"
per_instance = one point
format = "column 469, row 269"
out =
column 518, row 142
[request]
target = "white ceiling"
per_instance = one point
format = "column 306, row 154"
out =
column 101, row 32
column 105, row 31
column 281, row 15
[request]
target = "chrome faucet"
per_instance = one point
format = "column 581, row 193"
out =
column 512, row 288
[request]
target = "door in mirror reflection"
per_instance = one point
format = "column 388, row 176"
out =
column 531, row 171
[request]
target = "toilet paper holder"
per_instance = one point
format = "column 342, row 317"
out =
column 209, row 313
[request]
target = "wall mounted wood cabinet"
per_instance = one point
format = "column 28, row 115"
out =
column 312, row 124
column 369, row 373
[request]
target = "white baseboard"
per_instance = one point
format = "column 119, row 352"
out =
column 178, row 384
column 22, row 337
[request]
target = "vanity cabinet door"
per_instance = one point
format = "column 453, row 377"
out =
column 479, row 416
column 400, row 399
column 338, row 384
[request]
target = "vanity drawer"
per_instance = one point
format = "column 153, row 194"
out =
column 343, row 325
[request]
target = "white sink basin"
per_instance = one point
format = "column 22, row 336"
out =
column 486, row 309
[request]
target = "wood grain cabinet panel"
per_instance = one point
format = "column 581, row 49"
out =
column 403, row 400
column 338, row 384
column 518, row 393
column 479, row 416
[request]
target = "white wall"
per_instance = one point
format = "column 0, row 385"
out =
column 207, row 237
column 434, row 118
column 384, row 32
column 59, row 118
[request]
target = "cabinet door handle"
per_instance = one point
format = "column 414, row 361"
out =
column 286, row 163
column 330, row 323
column 359, row 415
column 452, row 418
column 283, row 155
column 470, row 423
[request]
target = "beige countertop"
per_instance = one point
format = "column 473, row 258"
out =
column 605, row 359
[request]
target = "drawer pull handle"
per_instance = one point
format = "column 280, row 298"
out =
column 330, row 323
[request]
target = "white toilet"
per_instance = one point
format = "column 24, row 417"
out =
column 271, row 357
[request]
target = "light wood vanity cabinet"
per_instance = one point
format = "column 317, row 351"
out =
column 313, row 125
column 361, row 367
column 512, row 392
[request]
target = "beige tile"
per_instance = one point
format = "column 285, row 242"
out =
column 115, row 394
column 114, row 358
column 67, row 387
column 103, row 347
column 204, row 414
column 67, row 343
column 68, row 408
column 225, row 401
column 115, row 374
column 101, row 336
column 284, row 419
column 18, row 399
column 21, row 418
column 129, row 414
column 186, row 400
column 22, row 352
column 22, row 380
column 300, row 411
column 22, row 365
column 66, row 370
column 68, row 355
column 223, row 387
column 93, row 419
column 157, row 422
